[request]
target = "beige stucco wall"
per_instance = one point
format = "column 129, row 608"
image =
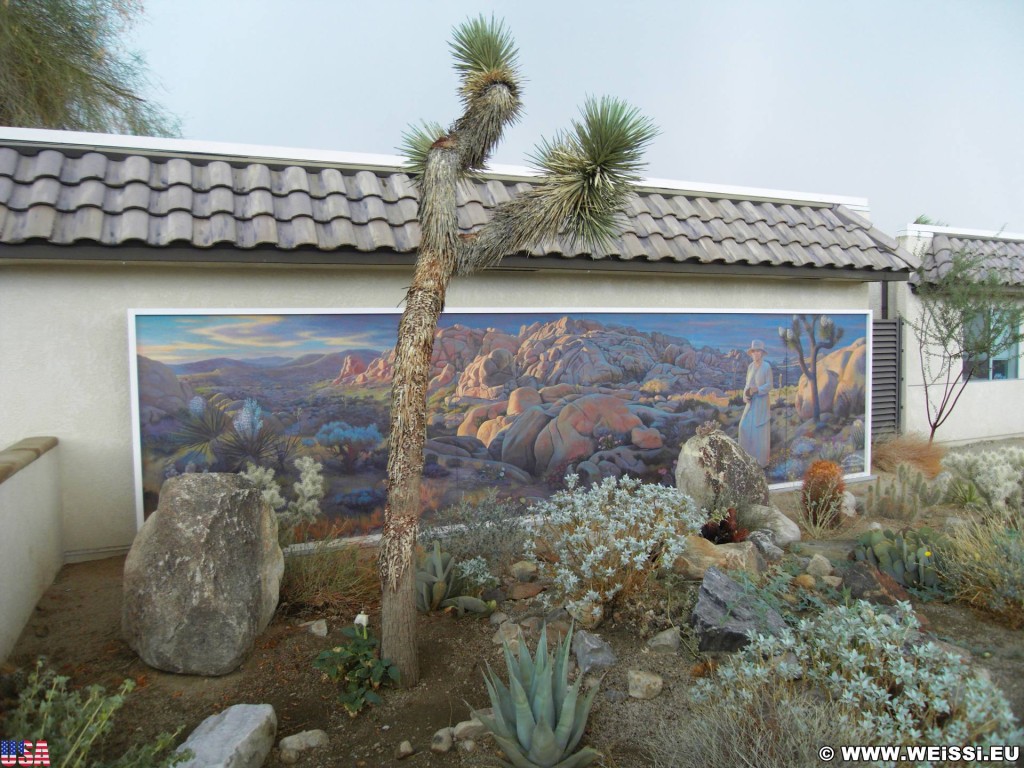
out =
column 64, row 350
column 30, row 549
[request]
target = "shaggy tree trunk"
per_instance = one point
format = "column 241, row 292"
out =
column 423, row 305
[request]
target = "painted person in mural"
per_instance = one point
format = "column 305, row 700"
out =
column 755, row 424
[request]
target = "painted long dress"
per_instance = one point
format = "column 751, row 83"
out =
column 755, row 426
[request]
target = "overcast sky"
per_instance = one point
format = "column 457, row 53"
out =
column 916, row 105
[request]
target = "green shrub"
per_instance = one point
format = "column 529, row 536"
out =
column 488, row 527
column 983, row 564
column 357, row 667
column 74, row 723
column 888, row 685
column 329, row 575
column 606, row 541
column 997, row 476
column 303, row 509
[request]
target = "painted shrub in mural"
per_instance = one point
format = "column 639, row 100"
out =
column 516, row 400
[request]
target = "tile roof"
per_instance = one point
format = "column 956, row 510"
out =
column 1002, row 254
column 65, row 195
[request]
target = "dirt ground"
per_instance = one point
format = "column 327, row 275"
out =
column 77, row 627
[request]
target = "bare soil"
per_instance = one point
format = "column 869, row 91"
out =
column 77, row 627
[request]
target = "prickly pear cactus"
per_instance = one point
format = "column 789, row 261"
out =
column 908, row 557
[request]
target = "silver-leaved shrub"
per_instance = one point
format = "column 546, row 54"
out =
column 602, row 543
column 889, row 685
column 997, row 476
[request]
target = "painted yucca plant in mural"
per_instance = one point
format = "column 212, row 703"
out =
column 586, row 178
column 538, row 719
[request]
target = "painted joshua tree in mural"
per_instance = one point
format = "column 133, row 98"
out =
column 822, row 333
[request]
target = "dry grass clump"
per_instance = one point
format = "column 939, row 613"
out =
column 983, row 564
column 333, row 578
column 912, row 448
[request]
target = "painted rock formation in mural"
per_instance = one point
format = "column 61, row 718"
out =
column 841, row 383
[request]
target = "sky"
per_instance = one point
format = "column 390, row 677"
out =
column 174, row 339
column 917, row 105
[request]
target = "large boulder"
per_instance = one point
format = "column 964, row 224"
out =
column 712, row 468
column 203, row 575
column 841, row 377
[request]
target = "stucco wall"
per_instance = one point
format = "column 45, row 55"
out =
column 64, row 350
column 30, row 549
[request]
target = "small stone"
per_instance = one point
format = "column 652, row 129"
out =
column 556, row 631
column 666, row 642
column 319, row 628
column 441, row 741
column 819, row 566
column 644, row 685
column 304, row 740
column 242, row 735
column 524, row 570
column 288, row 756
column 532, row 624
column 875, row 526
column 497, row 618
column 591, row 652
column 468, row 745
column 804, row 581
column 849, row 508
column 404, row 750
column 524, row 590
column 833, row 581
column 785, row 530
column 764, row 540
column 507, row 632
column 471, row 729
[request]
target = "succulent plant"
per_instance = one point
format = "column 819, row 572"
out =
column 908, row 557
column 438, row 586
column 821, row 495
column 724, row 529
column 904, row 496
column 538, row 720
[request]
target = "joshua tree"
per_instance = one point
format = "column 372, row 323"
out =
column 811, row 325
column 586, row 179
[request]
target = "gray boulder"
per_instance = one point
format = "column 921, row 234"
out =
column 203, row 575
column 239, row 737
column 726, row 615
column 714, row 471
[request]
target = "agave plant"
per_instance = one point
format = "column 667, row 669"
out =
column 539, row 718
column 438, row 586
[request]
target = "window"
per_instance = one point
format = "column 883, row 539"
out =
column 1003, row 365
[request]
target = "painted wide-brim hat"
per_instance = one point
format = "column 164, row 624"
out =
column 756, row 346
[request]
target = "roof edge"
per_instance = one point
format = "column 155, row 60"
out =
column 927, row 231
column 47, row 138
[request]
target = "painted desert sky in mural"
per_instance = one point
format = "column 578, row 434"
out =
column 515, row 400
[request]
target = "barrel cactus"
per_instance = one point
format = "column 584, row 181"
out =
column 908, row 557
column 538, row 720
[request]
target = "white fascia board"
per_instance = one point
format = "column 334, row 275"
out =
column 927, row 231
column 255, row 152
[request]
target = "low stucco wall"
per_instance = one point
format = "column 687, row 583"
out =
column 30, row 548
column 64, row 356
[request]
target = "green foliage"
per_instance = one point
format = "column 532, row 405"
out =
column 489, row 527
column 887, row 684
column 983, row 563
column 64, row 67
column 995, row 477
column 440, row 585
column 966, row 316
column 903, row 496
column 358, row 668
column 303, row 508
column 74, row 722
column 538, row 719
column 910, row 558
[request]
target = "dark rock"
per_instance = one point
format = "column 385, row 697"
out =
column 201, row 580
column 725, row 614
column 591, row 652
column 866, row 582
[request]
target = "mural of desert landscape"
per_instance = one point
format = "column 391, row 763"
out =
column 516, row 399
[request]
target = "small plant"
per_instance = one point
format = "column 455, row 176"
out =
column 821, row 497
column 348, row 441
column 328, row 576
column 888, row 684
column 724, row 529
column 997, row 476
column 440, row 585
column 74, row 722
column 912, row 448
column 357, row 666
column 904, row 496
column 539, row 719
column 303, row 509
column 476, row 574
column 910, row 558
column 983, row 564
column 485, row 526
column 607, row 540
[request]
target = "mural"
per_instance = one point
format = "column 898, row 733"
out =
column 516, row 399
